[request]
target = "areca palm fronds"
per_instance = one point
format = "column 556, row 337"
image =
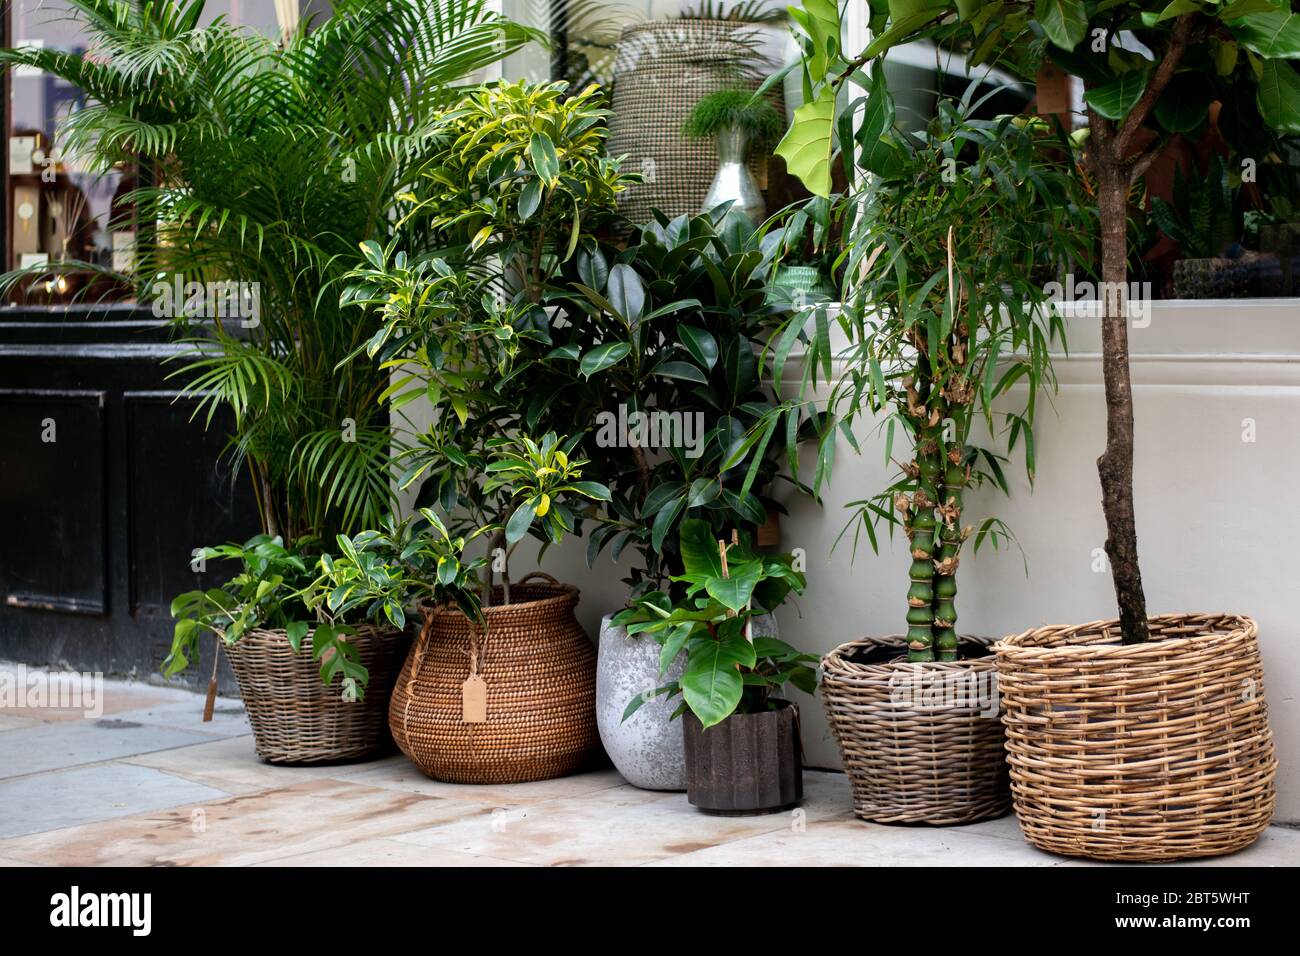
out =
column 269, row 164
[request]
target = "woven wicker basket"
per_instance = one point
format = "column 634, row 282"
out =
column 297, row 718
column 662, row 69
column 1155, row 751
column 540, row 672
column 921, row 742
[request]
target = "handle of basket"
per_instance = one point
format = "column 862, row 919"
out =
column 548, row 578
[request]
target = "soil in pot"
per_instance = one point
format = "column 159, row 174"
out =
column 746, row 765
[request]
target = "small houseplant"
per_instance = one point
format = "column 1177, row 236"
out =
column 945, row 313
column 1205, row 220
column 1210, row 791
column 731, row 676
column 735, row 120
column 263, row 616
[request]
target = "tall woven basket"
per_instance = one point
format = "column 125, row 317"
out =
column 540, row 673
column 1156, row 751
column 661, row 70
column 296, row 718
column 921, row 743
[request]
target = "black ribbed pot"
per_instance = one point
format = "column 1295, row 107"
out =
column 748, row 764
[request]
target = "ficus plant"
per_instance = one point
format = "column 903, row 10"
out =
column 949, row 326
column 1149, row 73
column 661, row 351
column 727, row 668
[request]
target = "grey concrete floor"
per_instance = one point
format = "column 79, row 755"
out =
column 145, row 782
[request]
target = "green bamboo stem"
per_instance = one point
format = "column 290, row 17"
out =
column 955, row 477
column 927, row 471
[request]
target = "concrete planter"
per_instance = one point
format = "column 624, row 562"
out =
column 646, row 748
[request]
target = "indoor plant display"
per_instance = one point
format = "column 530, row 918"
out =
column 736, row 121
column 300, row 711
column 743, row 753
column 944, row 312
column 1097, row 768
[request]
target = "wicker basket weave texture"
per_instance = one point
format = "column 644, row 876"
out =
column 296, row 718
column 917, row 759
column 662, row 69
column 1155, row 751
column 540, row 671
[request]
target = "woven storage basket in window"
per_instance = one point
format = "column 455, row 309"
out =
column 661, row 70
column 1155, row 751
column 539, row 669
column 296, row 718
column 921, row 743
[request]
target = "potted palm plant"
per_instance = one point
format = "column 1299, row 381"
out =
column 315, row 136
column 1136, row 738
column 743, row 753
column 945, row 313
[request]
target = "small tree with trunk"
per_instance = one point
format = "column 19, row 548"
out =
column 1148, row 74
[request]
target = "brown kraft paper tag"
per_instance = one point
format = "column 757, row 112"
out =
column 473, row 700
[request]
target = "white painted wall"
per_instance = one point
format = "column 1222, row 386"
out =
column 1218, row 523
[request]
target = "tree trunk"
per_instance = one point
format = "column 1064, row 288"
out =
column 920, row 534
column 950, row 539
column 1115, row 466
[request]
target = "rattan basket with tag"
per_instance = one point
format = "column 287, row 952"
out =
column 539, row 669
column 296, row 718
column 1155, row 751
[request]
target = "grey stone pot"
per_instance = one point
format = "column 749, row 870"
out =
column 647, row 749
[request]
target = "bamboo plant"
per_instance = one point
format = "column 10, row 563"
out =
column 1149, row 72
column 945, row 312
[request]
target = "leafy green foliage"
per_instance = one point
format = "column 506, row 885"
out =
column 1205, row 216
column 539, row 476
column 727, row 670
column 272, row 164
column 660, row 345
column 733, row 108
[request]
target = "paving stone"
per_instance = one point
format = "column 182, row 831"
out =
column 310, row 816
column 15, row 723
column 69, row 744
column 66, row 798
column 386, row 852
column 232, row 765
column 401, row 774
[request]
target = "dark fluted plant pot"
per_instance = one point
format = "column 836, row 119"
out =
column 748, row 764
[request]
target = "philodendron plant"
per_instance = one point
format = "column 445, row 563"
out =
column 728, row 670
column 946, row 310
column 1150, row 72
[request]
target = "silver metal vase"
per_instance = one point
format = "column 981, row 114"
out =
column 733, row 180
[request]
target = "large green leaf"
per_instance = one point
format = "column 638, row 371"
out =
column 603, row 356
column 1274, row 34
column 626, row 292
column 1279, row 96
column 735, row 591
column 879, row 151
column 711, row 683
column 1185, row 103
column 806, row 146
column 820, row 20
column 1113, row 100
column 1064, row 21
column 699, row 548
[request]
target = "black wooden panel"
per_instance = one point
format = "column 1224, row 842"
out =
column 52, row 500
column 182, row 497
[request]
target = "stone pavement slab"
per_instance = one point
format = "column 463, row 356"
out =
column 309, row 816
column 55, row 746
column 64, row 798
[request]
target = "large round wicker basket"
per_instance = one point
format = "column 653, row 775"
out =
column 1156, row 751
column 540, row 671
column 296, row 717
column 662, row 69
column 921, row 743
